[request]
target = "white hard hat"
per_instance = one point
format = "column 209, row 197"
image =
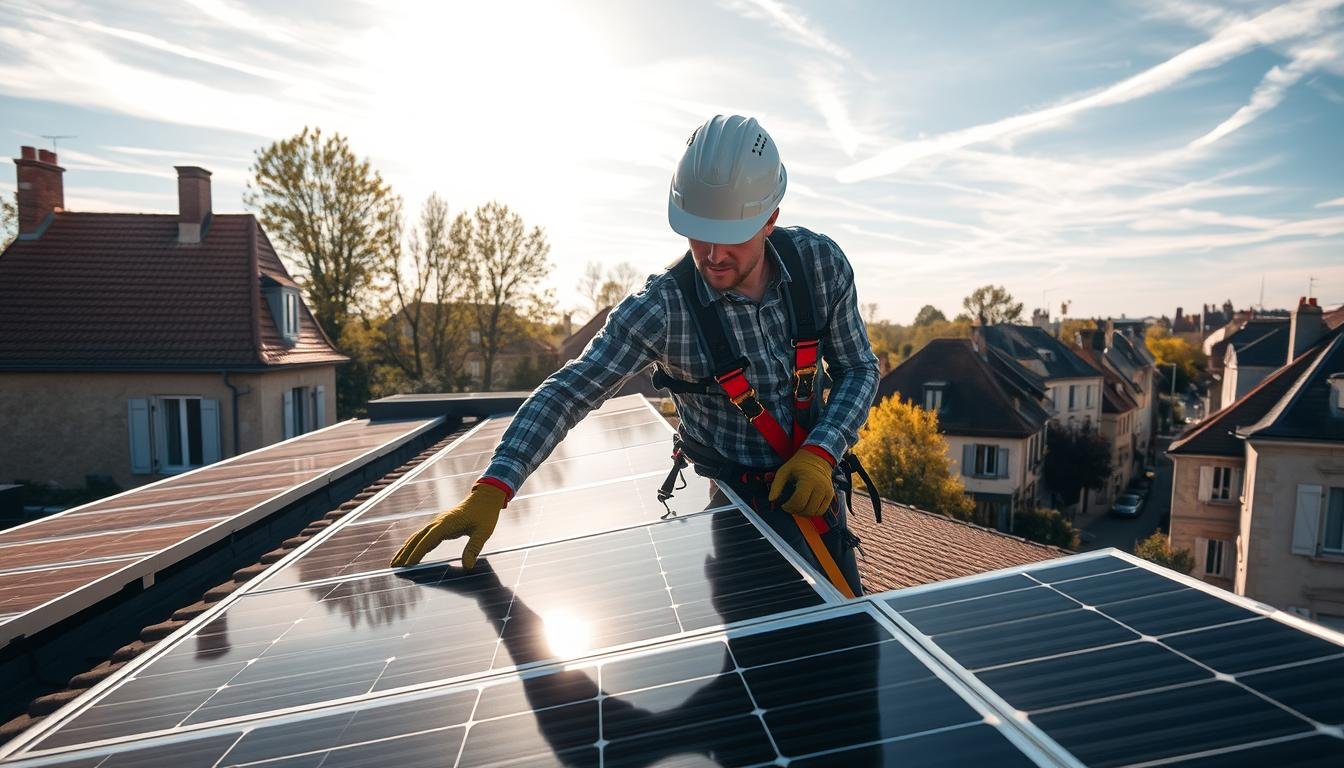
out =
column 728, row 182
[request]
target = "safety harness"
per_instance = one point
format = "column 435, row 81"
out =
column 730, row 377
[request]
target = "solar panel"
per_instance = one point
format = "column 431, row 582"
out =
column 821, row 688
column 54, row 567
column 1124, row 663
column 307, row 645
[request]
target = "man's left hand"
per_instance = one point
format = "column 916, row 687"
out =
column 810, row 476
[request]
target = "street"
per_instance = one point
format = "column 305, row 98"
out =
column 1102, row 530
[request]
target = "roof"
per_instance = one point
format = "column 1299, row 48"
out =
column 1115, row 397
column 1262, row 343
column 1304, row 413
column 911, row 546
column 1128, row 355
column 116, row 291
column 979, row 399
column 639, row 384
column 1217, row 436
column 1029, row 344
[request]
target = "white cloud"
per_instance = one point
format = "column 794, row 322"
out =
column 1337, row 202
column 793, row 24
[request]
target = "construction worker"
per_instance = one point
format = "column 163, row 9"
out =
column 737, row 335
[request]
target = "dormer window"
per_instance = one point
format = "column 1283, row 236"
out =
column 1046, row 354
column 933, row 395
column 1336, row 381
column 289, row 326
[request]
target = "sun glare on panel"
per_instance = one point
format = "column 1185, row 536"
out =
column 567, row 634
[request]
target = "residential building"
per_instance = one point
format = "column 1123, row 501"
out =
column 134, row 346
column 521, row 363
column 639, row 384
column 1129, row 357
column 1250, row 354
column 1073, row 387
column 1120, row 415
column 1258, row 488
column 991, row 412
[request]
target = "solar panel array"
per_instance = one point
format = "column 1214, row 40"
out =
column 56, row 566
column 600, row 630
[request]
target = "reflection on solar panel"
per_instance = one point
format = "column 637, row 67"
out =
column 835, row 687
column 597, row 632
column 1121, row 664
column 54, row 567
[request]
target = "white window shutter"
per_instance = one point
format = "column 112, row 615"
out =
column 210, row 449
column 1307, row 520
column 289, row 413
column 1236, row 484
column 142, row 461
column 320, row 406
column 1002, row 464
column 968, row 460
column 1205, row 483
column 1201, row 555
column 159, row 431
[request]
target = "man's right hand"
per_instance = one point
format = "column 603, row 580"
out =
column 475, row 517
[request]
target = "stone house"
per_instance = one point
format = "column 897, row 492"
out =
column 1258, row 488
column 134, row 346
column 992, row 413
column 1073, row 386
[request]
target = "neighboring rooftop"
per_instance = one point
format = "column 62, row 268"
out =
column 1036, row 349
column 1116, row 391
column 977, row 398
column 1261, row 343
column 639, row 384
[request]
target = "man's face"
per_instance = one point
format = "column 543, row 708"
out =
column 725, row 267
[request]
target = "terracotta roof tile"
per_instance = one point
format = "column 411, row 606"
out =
column 113, row 291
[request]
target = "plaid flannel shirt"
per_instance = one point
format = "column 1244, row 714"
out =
column 654, row 325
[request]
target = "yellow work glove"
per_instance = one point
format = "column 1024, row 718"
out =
column 475, row 517
column 810, row 476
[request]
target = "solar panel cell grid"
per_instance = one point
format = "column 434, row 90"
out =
column 309, row 645
column 24, row 590
column 861, row 697
column 1134, row 665
column 113, row 544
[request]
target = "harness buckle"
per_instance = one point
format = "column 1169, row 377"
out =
column 748, row 404
column 804, row 381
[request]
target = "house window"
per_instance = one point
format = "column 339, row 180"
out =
column 1216, row 559
column 1072, row 396
column 987, row 461
column 182, row 446
column 291, row 318
column 933, row 398
column 1089, row 395
column 474, row 369
column 1334, row 522
column 1222, row 484
column 305, row 409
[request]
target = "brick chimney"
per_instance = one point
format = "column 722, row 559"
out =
column 41, row 189
column 1305, row 327
column 193, row 203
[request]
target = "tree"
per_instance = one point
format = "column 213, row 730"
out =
column 9, row 222
column 332, row 215
column 606, row 289
column 908, row 459
column 425, row 335
column 1167, row 349
column 1157, row 549
column 1076, row 459
column 1045, row 526
column 929, row 314
column 1069, row 328
column 991, row 304
column 504, row 264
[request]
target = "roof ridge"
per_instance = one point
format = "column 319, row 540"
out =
column 1294, row 393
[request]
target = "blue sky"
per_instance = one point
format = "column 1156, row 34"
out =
column 1128, row 157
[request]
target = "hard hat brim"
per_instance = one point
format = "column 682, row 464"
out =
column 719, row 231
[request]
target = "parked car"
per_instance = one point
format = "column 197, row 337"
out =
column 1128, row 505
column 1139, row 487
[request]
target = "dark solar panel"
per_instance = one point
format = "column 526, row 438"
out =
column 1122, row 664
column 304, row 646
column 832, row 688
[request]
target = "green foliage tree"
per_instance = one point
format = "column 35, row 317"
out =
column 1075, row 459
column 332, row 216
column 929, row 314
column 992, row 304
column 1191, row 363
column 1046, row 526
column 1157, row 549
column 9, row 222
column 504, row 264
column 907, row 458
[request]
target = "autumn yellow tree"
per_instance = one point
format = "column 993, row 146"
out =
column 901, row 448
column 1167, row 349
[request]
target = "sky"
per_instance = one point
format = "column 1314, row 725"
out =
column 1123, row 158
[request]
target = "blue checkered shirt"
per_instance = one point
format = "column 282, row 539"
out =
column 654, row 325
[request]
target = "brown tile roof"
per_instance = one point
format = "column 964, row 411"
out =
column 913, row 547
column 115, row 291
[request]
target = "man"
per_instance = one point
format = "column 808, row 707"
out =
column 736, row 291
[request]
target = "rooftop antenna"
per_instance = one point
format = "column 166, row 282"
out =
column 1311, row 285
column 57, row 137
column 1261, row 305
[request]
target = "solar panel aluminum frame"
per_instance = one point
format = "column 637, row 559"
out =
column 1008, row 727
column 145, row 568
column 828, row 593
column 988, row 694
